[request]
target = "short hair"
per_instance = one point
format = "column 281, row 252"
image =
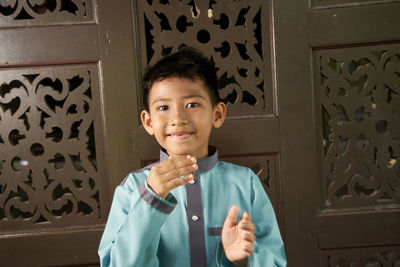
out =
column 187, row 63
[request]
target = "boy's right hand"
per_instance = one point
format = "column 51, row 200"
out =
column 164, row 176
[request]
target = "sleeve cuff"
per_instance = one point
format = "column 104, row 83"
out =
column 221, row 259
column 164, row 205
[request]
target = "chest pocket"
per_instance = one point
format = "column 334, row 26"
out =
column 214, row 231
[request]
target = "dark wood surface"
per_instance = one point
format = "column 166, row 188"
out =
column 338, row 208
column 283, row 121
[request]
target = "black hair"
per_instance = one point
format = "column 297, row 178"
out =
column 187, row 63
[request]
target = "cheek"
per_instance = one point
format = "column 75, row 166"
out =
column 157, row 126
column 205, row 122
column 157, row 120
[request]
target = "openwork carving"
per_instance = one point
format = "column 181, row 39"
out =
column 263, row 172
column 387, row 257
column 228, row 31
column 49, row 168
column 265, row 169
column 359, row 91
column 20, row 12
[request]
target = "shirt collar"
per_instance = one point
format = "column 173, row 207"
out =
column 205, row 164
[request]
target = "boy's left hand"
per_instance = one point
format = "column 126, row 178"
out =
column 238, row 237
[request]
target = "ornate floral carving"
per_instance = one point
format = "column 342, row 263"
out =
column 263, row 172
column 16, row 12
column 228, row 31
column 360, row 104
column 49, row 171
column 265, row 168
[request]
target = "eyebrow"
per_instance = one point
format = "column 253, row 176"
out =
column 185, row 97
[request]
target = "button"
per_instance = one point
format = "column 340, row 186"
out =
column 195, row 218
column 192, row 181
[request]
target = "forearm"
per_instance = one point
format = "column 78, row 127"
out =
column 136, row 241
column 268, row 248
column 264, row 256
column 131, row 236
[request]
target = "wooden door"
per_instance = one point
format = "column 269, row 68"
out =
column 237, row 37
column 312, row 89
column 66, row 84
column 339, row 101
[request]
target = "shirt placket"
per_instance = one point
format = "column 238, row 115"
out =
column 196, row 223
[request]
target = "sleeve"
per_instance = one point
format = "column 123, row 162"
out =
column 268, row 248
column 132, row 231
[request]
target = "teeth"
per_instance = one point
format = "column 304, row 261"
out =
column 180, row 135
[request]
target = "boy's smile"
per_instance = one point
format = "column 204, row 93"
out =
column 180, row 135
column 181, row 116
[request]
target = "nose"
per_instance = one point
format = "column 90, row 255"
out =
column 178, row 117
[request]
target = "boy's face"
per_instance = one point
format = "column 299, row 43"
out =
column 181, row 116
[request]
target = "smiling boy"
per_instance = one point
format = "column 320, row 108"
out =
column 183, row 210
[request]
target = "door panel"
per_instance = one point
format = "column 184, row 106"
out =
column 344, row 58
column 17, row 50
column 236, row 35
column 58, row 118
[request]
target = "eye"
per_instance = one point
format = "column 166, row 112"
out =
column 163, row 107
column 192, row 105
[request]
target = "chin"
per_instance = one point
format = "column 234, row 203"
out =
column 185, row 149
column 180, row 152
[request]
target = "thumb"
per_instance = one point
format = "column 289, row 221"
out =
column 232, row 215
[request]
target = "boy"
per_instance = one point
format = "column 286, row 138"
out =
column 173, row 212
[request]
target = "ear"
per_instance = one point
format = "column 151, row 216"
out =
column 219, row 114
column 146, row 120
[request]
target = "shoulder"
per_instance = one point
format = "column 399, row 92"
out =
column 238, row 173
column 234, row 173
column 231, row 167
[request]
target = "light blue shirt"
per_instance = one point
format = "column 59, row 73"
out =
column 145, row 230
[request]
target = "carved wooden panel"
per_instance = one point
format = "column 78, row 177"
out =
column 233, row 33
column 45, row 12
column 364, row 257
column 359, row 96
column 50, row 147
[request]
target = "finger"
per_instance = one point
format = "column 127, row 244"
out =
column 248, row 236
column 178, row 173
column 175, row 163
column 247, row 225
column 179, row 182
column 174, row 168
column 246, row 222
column 248, row 247
column 246, row 216
column 232, row 215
